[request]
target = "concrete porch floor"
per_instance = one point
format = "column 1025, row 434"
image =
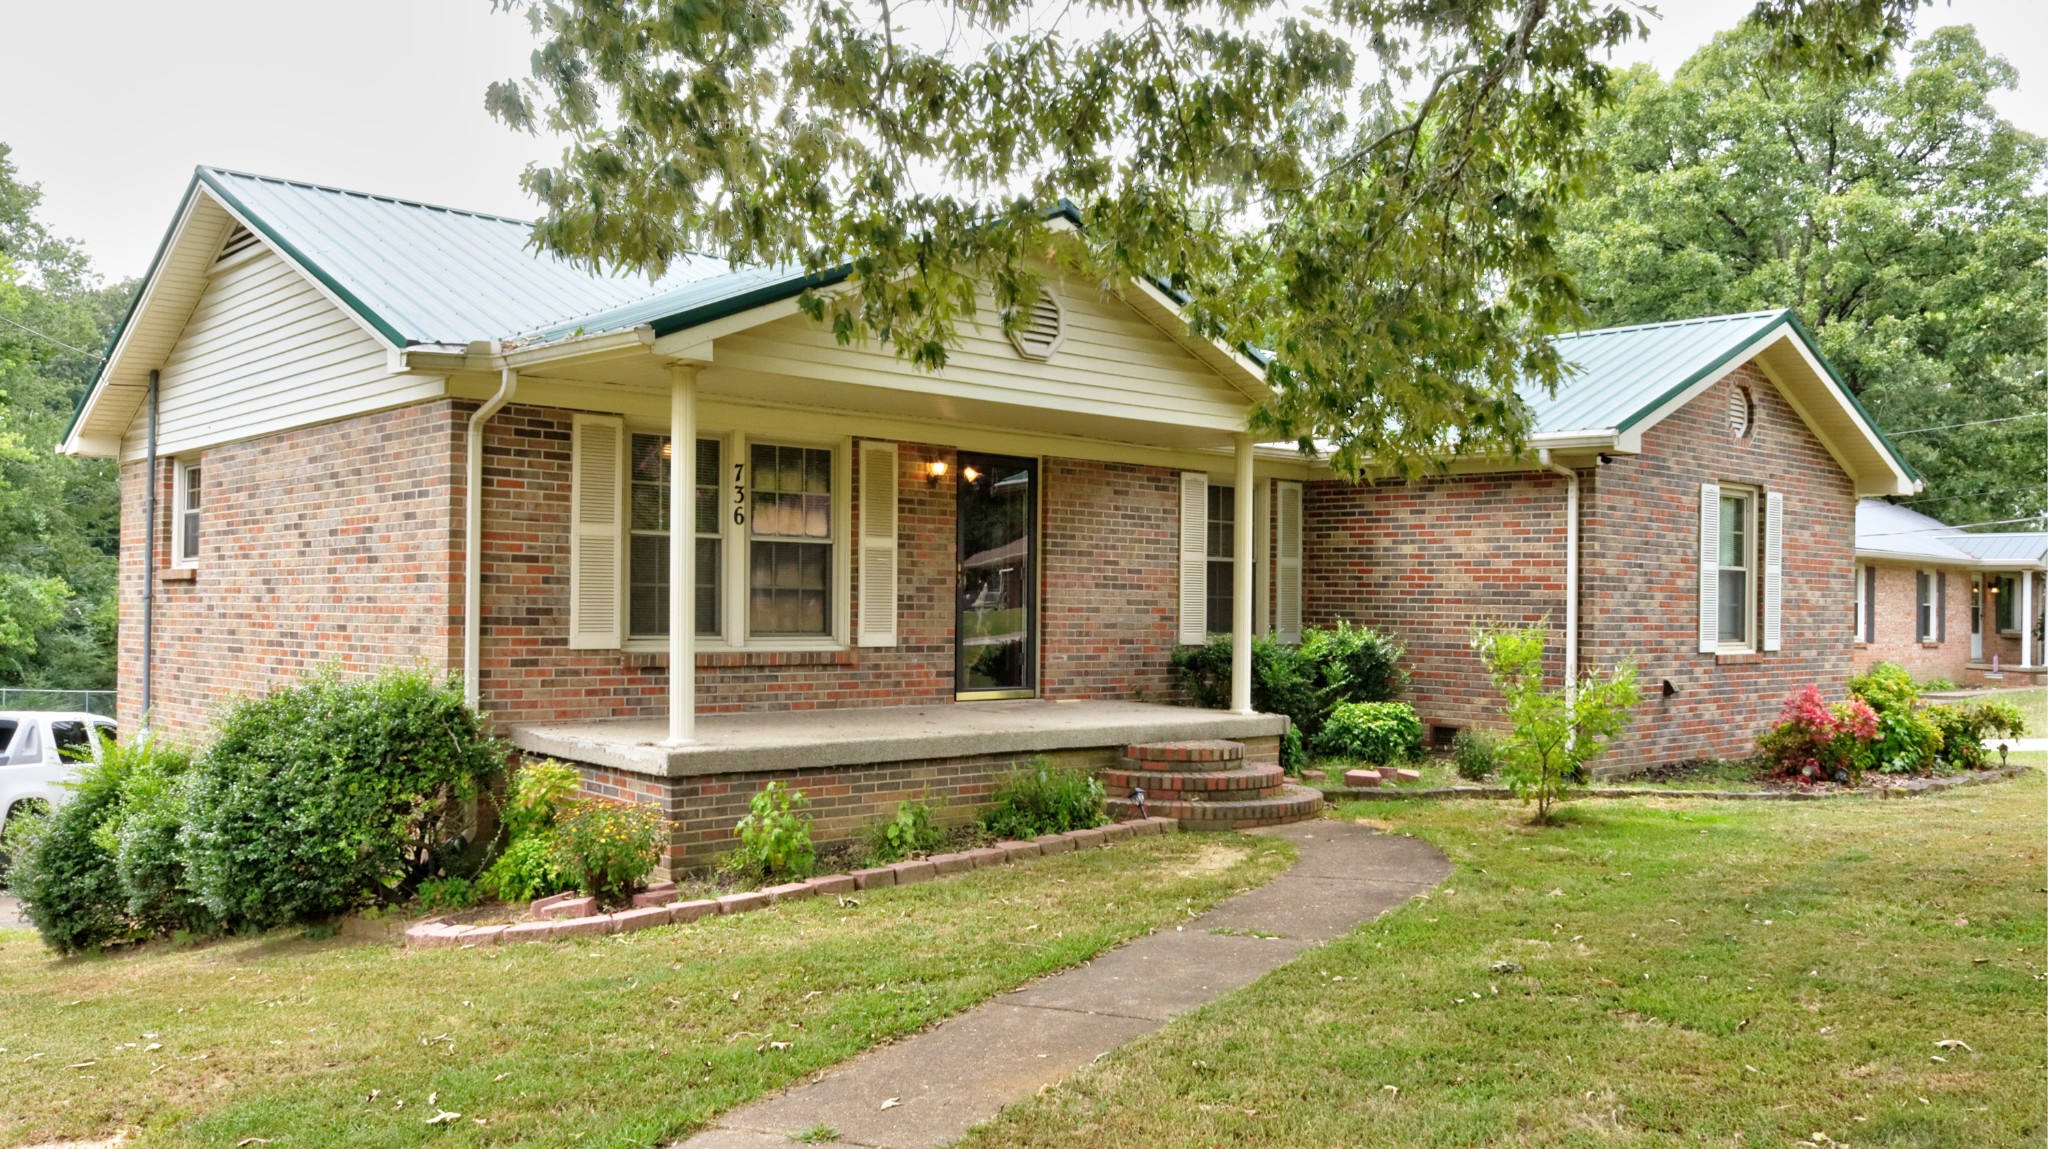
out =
column 808, row 739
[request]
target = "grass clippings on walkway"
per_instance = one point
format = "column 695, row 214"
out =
column 626, row 1040
column 1680, row 973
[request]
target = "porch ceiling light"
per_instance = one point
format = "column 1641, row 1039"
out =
column 934, row 471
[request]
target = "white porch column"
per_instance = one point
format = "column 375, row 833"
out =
column 682, row 556
column 2026, row 618
column 1241, row 576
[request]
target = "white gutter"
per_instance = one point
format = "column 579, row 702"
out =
column 1571, row 571
column 473, row 536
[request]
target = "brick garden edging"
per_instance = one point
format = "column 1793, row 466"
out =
column 438, row 934
column 1912, row 787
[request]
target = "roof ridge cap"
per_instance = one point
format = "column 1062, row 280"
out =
column 333, row 190
column 1694, row 322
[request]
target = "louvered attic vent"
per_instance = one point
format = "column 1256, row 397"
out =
column 239, row 240
column 1045, row 329
column 1741, row 412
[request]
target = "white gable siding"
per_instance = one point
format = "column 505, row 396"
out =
column 266, row 351
column 1110, row 362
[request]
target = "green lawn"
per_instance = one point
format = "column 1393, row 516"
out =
column 629, row 1040
column 1728, row 974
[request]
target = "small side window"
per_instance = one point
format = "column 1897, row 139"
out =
column 7, row 729
column 73, row 744
column 185, row 515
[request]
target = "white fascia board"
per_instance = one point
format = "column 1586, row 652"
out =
column 1251, row 378
column 1902, row 483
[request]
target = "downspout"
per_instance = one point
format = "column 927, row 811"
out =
column 1571, row 570
column 473, row 536
column 149, row 553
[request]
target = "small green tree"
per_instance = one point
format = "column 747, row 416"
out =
column 1556, row 732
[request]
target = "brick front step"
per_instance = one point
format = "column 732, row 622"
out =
column 1168, row 783
column 1292, row 804
column 1177, row 753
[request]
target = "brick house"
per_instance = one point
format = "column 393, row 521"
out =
column 1945, row 603
column 360, row 431
column 1691, row 506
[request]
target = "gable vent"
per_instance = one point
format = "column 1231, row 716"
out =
column 1045, row 330
column 1741, row 412
column 239, row 240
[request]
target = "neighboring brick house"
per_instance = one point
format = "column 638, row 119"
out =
column 1717, row 464
column 1945, row 603
column 359, row 431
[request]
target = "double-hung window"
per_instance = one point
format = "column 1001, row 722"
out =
column 1924, row 606
column 650, row 517
column 789, row 577
column 1742, row 569
column 185, row 514
column 1736, row 608
column 1222, row 589
column 2007, row 610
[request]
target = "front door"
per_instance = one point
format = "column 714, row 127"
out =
column 997, row 627
column 1976, row 617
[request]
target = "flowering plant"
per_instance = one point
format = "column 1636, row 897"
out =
column 1815, row 740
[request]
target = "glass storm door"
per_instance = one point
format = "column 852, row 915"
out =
column 1976, row 617
column 997, row 629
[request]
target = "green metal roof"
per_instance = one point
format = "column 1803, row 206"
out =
column 1622, row 374
column 425, row 274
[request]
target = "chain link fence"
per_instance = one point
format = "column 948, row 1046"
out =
column 32, row 698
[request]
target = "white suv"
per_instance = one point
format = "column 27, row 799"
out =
column 40, row 751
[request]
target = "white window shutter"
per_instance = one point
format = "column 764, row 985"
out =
column 1774, row 569
column 1194, row 558
column 878, row 495
column 1710, row 567
column 1287, row 572
column 597, row 532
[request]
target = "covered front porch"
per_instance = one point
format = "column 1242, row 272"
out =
column 855, row 764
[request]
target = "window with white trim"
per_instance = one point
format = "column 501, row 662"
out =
column 790, row 560
column 650, row 514
column 185, row 514
column 1736, row 583
column 1862, row 602
column 2006, row 611
column 1222, row 561
column 1923, row 605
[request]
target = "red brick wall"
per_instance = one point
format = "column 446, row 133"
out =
column 330, row 545
column 1898, row 626
column 844, row 800
column 1108, row 582
column 1641, row 575
column 1111, row 580
column 1431, row 562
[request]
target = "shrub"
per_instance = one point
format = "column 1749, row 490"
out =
column 63, row 869
column 1475, row 755
column 1907, row 742
column 910, row 832
column 527, row 870
column 1555, row 733
column 1045, row 800
column 1354, row 664
column 1329, row 668
column 156, row 802
column 1965, row 728
column 1815, row 740
column 608, row 848
column 537, row 795
column 439, row 894
column 1378, row 732
column 775, row 837
column 325, row 795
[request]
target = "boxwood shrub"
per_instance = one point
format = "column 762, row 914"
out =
column 330, row 794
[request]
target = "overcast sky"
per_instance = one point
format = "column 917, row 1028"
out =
column 110, row 104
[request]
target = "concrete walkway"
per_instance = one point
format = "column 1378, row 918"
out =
column 929, row 1089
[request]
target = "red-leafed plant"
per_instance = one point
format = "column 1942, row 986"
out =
column 1819, row 741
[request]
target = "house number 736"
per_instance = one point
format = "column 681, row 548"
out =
column 739, row 494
